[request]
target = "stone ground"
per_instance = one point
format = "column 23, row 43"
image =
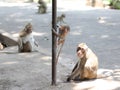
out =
column 32, row 71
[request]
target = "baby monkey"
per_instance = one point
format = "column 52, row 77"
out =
column 62, row 33
column 60, row 19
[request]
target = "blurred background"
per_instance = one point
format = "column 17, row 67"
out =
column 113, row 4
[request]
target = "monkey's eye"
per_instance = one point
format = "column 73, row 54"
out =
column 78, row 48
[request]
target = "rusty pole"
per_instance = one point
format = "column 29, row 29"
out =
column 54, row 9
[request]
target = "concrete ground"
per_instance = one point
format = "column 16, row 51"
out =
column 99, row 28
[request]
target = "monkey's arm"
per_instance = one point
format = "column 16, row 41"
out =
column 55, row 33
column 36, row 43
column 75, row 73
column 22, row 33
column 20, row 44
column 75, row 67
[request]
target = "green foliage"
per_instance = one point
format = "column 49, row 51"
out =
column 116, row 4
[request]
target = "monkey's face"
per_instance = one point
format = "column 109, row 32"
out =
column 29, row 29
column 81, row 50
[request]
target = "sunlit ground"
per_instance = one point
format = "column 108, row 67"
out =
column 99, row 84
column 108, row 83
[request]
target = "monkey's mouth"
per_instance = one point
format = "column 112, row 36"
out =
column 30, row 31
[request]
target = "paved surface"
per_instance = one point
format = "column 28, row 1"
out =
column 32, row 71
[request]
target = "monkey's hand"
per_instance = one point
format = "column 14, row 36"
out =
column 68, row 79
column 55, row 32
column 36, row 43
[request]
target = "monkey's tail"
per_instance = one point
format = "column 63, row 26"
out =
column 59, row 52
column 104, row 75
column 99, row 76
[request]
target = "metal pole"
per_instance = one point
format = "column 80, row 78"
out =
column 54, row 5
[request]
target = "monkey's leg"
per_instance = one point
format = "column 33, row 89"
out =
column 26, row 47
column 75, row 67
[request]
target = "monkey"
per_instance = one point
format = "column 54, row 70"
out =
column 61, row 34
column 42, row 8
column 63, row 31
column 87, row 65
column 26, row 41
column 60, row 19
column 93, row 3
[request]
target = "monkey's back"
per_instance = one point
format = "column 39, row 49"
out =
column 91, row 65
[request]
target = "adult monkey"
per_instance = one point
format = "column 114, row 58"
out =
column 42, row 8
column 26, row 41
column 87, row 66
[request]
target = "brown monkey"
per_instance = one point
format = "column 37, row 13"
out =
column 61, row 34
column 42, row 8
column 63, row 31
column 60, row 19
column 26, row 41
column 87, row 66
